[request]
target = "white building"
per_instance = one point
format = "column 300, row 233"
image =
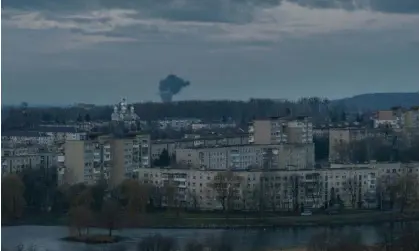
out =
column 354, row 185
column 277, row 130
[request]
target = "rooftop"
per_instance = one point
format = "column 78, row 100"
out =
column 23, row 134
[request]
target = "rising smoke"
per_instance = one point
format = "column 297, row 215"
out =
column 171, row 86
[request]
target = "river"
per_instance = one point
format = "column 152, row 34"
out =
column 48, row 237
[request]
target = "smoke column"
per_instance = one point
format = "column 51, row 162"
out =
column 171, row 86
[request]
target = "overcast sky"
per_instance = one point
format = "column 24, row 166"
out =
column 97, row 51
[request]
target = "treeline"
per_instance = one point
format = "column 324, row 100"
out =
column 25, row 116
column 381, row 149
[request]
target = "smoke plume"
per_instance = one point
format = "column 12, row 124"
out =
column 171, row 86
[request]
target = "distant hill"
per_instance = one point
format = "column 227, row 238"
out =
column 379, row 101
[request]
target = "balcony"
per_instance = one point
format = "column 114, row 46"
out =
column 251, row 129
column 251, row 139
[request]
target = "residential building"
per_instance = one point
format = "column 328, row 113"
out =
column 411, row 118
column 214, row 125
column 277, row 130
column 279, row 190
column 19, row 157
column 61, row 133
column 343, row 136
column 177, row 124
column 250, row 156
column 158, row 146
column 388, row 118
column 106, row 157
column 27, row 137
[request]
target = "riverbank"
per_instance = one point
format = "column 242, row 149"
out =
column 220, row 221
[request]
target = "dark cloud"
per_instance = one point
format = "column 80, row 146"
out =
column 388, row 6
column 171, row 86
column 236, row 11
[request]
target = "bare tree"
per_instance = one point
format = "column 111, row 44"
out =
column 227, row 187
column 351, row 188
column 171, row 195
column 259, row 200
column 135, row 195
column 294, row 185
column 193, row 199
column 12, row 197
column 342, row 152
column 271, row 190
column 157, row 243
column 80, row 219
column 111, row 215
column 313, row 188
column 406, row 190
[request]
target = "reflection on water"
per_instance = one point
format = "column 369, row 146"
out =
column 48, row 238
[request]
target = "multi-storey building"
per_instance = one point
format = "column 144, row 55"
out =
column 244, row 157
column 61, row 133
column 277, row 130
column 106, row 157
column 390, row 118
column 343, row 136
column 158, row 146
column 411, row 118
column 353, row 185
column 177, row 123
column 27, row 137
column 19, row 157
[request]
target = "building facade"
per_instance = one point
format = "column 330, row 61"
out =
column 19, row 157
column 279, row 130
column 250, row 156
column 342, row 136
column 106, row 157
column 157, row 146
column 355, row 186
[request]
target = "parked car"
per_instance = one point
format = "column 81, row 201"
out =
column 306, row 213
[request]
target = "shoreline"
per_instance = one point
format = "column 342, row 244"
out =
column 249, row 223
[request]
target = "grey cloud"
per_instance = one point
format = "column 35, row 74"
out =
column 237, row 11
column 388, row 6
column 231, row 11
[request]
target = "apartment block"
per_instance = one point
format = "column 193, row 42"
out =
column 19, row 157
column 245, row 157
column 277, row 130
column 106, row 157
column 158, row 146
column 340, row 136
column 26, row 137
column 390, row 118
column 280, row 190
column 411, row 118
